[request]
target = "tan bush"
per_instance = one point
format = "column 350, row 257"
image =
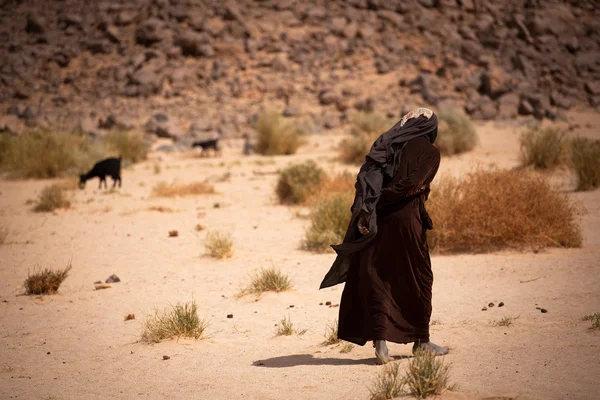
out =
column 329, row 221
column 46, row 281
column 173, row 189
column 276, row 136
column 180, row 320
column 365, row 129
column 268, row 280
column 51, row 198
column 370, row 124
column 456, row 133
column 585, row 161
column 427, row 374
column 296, row 182
column 128, row 144
column 342, row 182
column 389, row 383
column 219, row 245
column 493, row 210
column 543, row 149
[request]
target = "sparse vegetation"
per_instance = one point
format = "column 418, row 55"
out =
column 504, row 321
column 45, row 281
column 347, row 348
column 594, row 319
column 497, row 209
column 51, row 198
column 219, row 245
column 286, row 328
column 542, row 148
column 268, row 280
column 331, row 334
column 427, row 374
column 389, row 383
column 296, row 182
column 157, row 168
column 275, row 135
column 365, row 129
column 370, row 124
column 128, row 144
column 173, row 189
column 329, row 221
column 456, row 133
column 339, row 183
column 585, row 161
column 180, row 320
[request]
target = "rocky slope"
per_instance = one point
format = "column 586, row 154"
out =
column 194, row 68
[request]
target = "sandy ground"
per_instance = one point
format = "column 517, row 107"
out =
column 76, row 345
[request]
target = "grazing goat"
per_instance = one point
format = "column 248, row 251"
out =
column 207, row 145
column 109, row 166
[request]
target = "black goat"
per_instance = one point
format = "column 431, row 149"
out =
column 207, row 145
column 110, row 167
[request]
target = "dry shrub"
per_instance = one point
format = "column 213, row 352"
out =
column 342, row 182
column 219, row 245
column 275, row 135
column 329, row 221
column 370, row 124
column 164, row 189
column 504, row 321
column 389, row 383
column 585, row 161
column 268, row 280
column 128, row 144
column 46, row 281
column 296, row 182
column 41, row 153
column 542, row 148
column 427, row 374
column 456, row 133
column 51, row 198
column 365, row 129
column 493, row 210
column 180, row 320
column 331, row 334
column 594, row 319
column 286, row 328
column 347, row 348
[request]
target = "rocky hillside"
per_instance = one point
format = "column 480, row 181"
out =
column 193, row 68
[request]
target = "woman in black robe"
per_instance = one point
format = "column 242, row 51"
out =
column 384, row 258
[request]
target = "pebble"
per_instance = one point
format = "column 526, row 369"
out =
column 501, row 304
column 320, row 304
column 484, row 309
column 112, row 279
column 327, row 303
column 544, row 311
column 173, row 233
column 98, row 283
column 166, row 358
column 229, row 315
column 291, row 306
column 491, row 305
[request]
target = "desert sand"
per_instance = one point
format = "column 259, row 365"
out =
column 76, row 344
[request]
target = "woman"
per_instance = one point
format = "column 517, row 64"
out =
column 384, row 258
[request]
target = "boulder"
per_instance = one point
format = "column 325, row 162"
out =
column 150, row 31
column 35, row 24
column 195, row 44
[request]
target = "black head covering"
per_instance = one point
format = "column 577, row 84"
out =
column 380, row 164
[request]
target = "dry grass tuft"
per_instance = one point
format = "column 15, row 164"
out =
column 595, row 320
column 180, row 320
column 329, row 221
column 543, row 149
column 128, row 144
column 173, row 189
column 51, row 198
column 347, row 348
column 427, row 374
column 45, row 281
column 585, row 161
column 389, row 383
column 339, row 183
column 268, row 280
column 276, row 136
column 504, row 321
column 493, row 210
column 286, row 328
column 331, row 334
column 370, row 124
column 219, row 245
column 161, row 209
column 296, row 182
column 456, row 133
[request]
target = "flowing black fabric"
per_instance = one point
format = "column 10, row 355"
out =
column 379, row 167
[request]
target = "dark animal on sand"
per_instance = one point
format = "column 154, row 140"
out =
column 109, row 166
column 208, row 145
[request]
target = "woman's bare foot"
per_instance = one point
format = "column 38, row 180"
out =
column 437, row 350
column 381, row 352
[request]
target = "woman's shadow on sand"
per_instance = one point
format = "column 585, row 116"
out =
column 296, row 360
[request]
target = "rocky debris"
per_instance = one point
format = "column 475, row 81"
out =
column 160, row 125
column 150, row 31
column 173, row 233
column 229, row 315
column 166, row 357
column 129, row 317
column 112, row 279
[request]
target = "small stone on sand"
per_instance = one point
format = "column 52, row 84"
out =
column 501, row 304
column 229, row 315
column 484, row 309
column 327, row 303
column 544, row 311
column 491, row 305
column 112, row 279
column 166, row 358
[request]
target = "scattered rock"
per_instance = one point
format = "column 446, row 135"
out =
column 166, row 358
column 173, row 233
column 543, row 310
column 150, row 32
column 229, row 315
column 327, row 303
column 484, row 309
column 501, row 304
column 491, row 305
column 112, row 279
column 129, row 317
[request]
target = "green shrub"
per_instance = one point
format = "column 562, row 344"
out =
column 585, row 161
column 180, row 320
column 456, row 133
column 497, row 209
column 542, row 148
column 329, row 221
column 296, row 182
column 275, row 135
column 51, row 198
